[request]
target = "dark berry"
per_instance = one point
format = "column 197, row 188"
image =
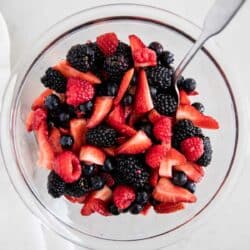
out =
column 135, row 208
column 81, row 57
column 179, row 178
column 127, row 100
column 166, row 58
column 55, row 185
column 113, row 209
column 165, row 104
column 99, row 57
column 107, row 89
column 188, row 85
column 52, row 102
column 53, row 79
column 64, row 119
column 153, row 91
column 142, row 197
column 199, row 106
column 206, row 158
column 78, row 188
column 132, row 170
column 153, row 202
column 66, row 141
column 96, row 182
column 148, row 188
column 86, row 108
column 157, row 47
column 89, row 170
column 159, row 77
column 190, row 186
column 102, row 136
column 147, row 127
column 108, row 165
column 134, row 80
column 125, row 50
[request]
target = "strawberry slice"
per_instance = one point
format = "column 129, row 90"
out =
column 146, row 209
column 95, row 205
column 136, row 43
column 109, row 151
column 78, row 131
column 116, row 115
column 29, row 121
column 45, row 154
column 104, row 194
column 154, row 177
column 122, row 128
column 165, row 191
column 91, row 154
column 35, row 119
column 54, row 140
column 166, row 208
column 162, row 129
column 39, row 101
column 143, row 101
column 154, row 116
column 184, row 99
column 124, row 85
column 80, row 200
column 198, row 119
column 135, row 145
column 192, row 171
column 69, row 72
column 133, row 118
column 193, row 93
column 102, row 106
column 107, row 43
column 172, row 158
column 127, row 111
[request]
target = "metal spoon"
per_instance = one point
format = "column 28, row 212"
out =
column 217, row 18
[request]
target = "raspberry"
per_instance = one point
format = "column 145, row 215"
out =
column 53, row 79
column 165, row 104
column 108, row 179
column 107, row 43
column 163, row 129
column 79, row 91
column 192, row 148
column 123, row 196
column 55, row 185
column 206, row 158
column 154, row 155
column 68, row 167
column 125, row 50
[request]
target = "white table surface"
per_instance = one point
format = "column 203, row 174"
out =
column 228, row 228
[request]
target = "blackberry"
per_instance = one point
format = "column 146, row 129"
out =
column 107, row 89
column 157, row 47
column 166, row 58
column 125, row 50
column 159, row 76
column 101, row 136
column 182, row 130
column 81, row 57
column 99, row 57
column 188, row 84
column 199, row 106
column 165, row 104
column 115, row 65
column 206, row 158
column 55, row 185
column 153, row 91
column 132, row 171
column 78, row 188
column 53, row 79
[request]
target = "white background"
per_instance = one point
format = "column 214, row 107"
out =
column 228, row 228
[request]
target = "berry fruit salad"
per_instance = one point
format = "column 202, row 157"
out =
column 111, row 134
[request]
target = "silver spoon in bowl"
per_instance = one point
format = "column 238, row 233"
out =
column 217, row 18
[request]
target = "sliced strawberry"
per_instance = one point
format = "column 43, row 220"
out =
column 54, row 140
column 64, row 131
column 109, row 151
column 104, row 194
column 68, row 72
column 80, row 200
column 198, row 119
column 68, row 167
column 91, row 154
column 193, row 93
column 143, row 101
column 162, row 129
column 122, row 139
column 127, row 111
column 124, row 85
column 107, row 43
column 29, row 121
column 122, row 128
column 133, row 118
column 35, row 119
column 184, row 99
column 95, row 205
column 146, row 209
column 78, row 131
column 172, row 158
column 116, row 115
column 154, row 177
column 166, row 208
column 154, row 116
column 102, row 106
column 192, row 171
column 123, row 196
column 144, row 57
column 46, row 155
column 165, row 191
column 135, row 145
column 136, row 43
column 39, row 101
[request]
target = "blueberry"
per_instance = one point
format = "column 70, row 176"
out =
column 108, row 165
column 89, row 170
column 191, row 186
column 188, row 85
column 179, row 178
column 147, row 127
column 113, row 209
column 135, row 208
column 97, row 182
column 142, row 198
column 52, row 102
column 157, row 47
column 64, row 119
column 199, row 106
column 133, row 80
column 166, row 58
column 112, row 89
column 153, row 91
column 67, row 141
column 86, row 108
column 127, row 100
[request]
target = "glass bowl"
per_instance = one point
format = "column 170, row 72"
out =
column 217, row 92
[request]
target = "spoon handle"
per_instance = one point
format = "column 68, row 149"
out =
column 216, row 20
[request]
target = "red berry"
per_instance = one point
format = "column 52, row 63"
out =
column 94, row 205
column 107, row 43
column 155, row 155
column 108, row 179
column 192, row 148
column 79, row 91
column 123, row 196
column 163, row 129
column 54, row 140
column 166, row 208
column 39, row 101
column 92, row 155
column 68, row 167
column 35, row 119
column 154, row 177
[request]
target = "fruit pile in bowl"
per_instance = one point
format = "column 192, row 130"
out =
column 111, row 133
